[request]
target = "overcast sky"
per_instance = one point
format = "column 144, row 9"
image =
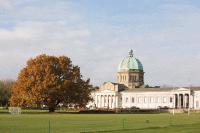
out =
column 97, row 34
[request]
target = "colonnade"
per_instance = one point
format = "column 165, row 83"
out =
column 110, row 101
column 182, row 100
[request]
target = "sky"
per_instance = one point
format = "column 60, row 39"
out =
column 97, row 35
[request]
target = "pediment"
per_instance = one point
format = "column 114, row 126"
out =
column 183, row 89
column 108, row 83
column 108, row 86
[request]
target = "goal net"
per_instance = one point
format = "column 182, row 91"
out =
column 15, row 110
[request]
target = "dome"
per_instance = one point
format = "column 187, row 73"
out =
column 130, row 63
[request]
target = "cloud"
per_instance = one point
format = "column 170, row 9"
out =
column 6, row 4
column 166, row 49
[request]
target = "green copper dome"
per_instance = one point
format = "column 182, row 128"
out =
column 130, row 63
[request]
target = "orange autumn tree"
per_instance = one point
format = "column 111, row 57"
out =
column 49, row 80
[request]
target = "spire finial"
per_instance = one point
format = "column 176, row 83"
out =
column 130, row 53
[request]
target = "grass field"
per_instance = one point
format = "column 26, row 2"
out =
column 64, row 123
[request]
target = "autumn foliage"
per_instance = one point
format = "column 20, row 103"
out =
column 49, row 80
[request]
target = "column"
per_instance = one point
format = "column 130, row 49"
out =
column 113, row 103
column 107, row 101
column 189, row 100
column 96, row 101
column 194, row 101
column 103, row 101
column 185, row 100
column 148, row 100
column 180, row 97
column 155, row 101
column 178, row 103
column 116, row 101
column 110, row 101
column 174, row 101
column 100, row 102
column 113, row 98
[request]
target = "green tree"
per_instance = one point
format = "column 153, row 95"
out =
column 49, row 80
column 2, row 94
column 96, row 87
column 8, row 85
column 5, row 91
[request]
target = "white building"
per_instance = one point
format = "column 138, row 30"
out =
column 130, row 90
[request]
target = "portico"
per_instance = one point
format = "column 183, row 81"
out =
column 106, row 100
column 181, row 100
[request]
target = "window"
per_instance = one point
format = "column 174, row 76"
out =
column 145, row 100
column 112, row 100
column 158, row 99
column 130, row 78
column 127, row 100
column 104, row 100
column 151, row 100
column 132, row 99
column 135, row 77
column 138, row 99
column 164, row 99
column 121, row 99
column 197, row 104
column 170, row 99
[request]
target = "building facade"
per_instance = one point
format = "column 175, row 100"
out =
column 130, row 90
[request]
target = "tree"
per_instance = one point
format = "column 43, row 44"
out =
column 5, row 91
column 8, row 84
column 96, row 87
column 165, row 86
column 49, row 80
column 2, row 93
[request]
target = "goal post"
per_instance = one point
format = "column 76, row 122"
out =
column 15, row 110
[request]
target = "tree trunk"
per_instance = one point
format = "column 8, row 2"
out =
column 51, row 109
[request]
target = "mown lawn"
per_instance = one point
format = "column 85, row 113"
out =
column 25, row 111
column 62, row 123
